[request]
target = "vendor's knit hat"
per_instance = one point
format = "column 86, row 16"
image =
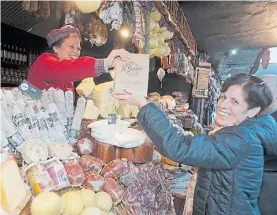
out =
column 57, row 34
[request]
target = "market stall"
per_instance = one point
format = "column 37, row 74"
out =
column 93, row 157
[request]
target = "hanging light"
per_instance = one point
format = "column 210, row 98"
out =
column 88, row 6
column 234, row 51
column 124, row 32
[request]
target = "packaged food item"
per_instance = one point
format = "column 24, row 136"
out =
column 114, row 169
column 114, row 189
column 74, row 172
column 39, row 178
column 85, row 147
column 93, row 181
column 57, row 172
column 89, row 162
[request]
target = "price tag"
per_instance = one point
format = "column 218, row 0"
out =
column 30, row 90
column 112, row 118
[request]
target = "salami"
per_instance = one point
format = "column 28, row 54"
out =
column 114, row 169
column 93, row 181
column 114, row 189
column 85, row 147
column 74, row 172
column 89, row 162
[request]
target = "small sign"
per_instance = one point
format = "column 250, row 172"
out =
column 30, row 90
column 132, row 74
column 112, row 118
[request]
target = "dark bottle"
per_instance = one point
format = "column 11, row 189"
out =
column 12, row 54
column 16, row 55
column 9, row 54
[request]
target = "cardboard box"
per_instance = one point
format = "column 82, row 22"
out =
column 132, row 75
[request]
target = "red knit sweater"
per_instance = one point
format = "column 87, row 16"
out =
column 48, row 71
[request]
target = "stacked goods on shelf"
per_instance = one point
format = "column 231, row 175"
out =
column 101, row 99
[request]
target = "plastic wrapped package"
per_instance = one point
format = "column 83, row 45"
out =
column 74, row 172
column 57, row 172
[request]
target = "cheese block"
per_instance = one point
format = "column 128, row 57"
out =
column 103, row 99
column 125, row 110
column 85, row 88
column 135, row 111
column 105, row 152
column 91, row 111
column 14, row 194
column 140, row 154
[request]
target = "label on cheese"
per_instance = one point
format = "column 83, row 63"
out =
column 112, row 118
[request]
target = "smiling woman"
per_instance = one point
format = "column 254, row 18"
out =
column 243, row 96
column 230, row 161
column 61, row 69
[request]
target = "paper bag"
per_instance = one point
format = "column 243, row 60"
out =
column 132, row 75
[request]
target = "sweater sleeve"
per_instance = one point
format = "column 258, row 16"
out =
column 222, row 151
column 49, row 68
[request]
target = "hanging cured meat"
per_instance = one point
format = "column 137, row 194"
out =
column 43, row 9
column 266, row 58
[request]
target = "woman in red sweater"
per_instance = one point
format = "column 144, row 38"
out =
column 61, row 69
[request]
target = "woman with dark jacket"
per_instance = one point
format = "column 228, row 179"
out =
column 230, row 162
column 61, row 69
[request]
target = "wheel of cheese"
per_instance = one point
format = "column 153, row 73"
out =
column 105, row 152
column 140, row 154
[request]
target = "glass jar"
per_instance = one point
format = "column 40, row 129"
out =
column 38, row 178
column 57, row 173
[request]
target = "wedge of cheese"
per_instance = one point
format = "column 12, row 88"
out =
column 14, row 194
column 124, row 110
column 91, row 111
column 103, row 99
column 86, row 87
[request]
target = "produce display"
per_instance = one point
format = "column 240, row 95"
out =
column 111, row 172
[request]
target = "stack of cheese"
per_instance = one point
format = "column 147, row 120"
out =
column 101, row 102
column 14, row 194
column 119, row 134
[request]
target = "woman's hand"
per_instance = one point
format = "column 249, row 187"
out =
column 131, row 98
column 122, row 53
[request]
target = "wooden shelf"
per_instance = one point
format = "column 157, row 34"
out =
column 12, row 63
column 9, row 84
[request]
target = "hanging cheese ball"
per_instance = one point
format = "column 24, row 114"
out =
column 155, row 15
column 167, row 49
column 160, row 39
column 156, row 28
column 88, row 6
column 153, row 42
column 159, row 51
column 152, row 24
column 162, row 29
column 167, row 35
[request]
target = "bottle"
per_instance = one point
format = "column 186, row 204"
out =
column 4, row 52
column 12, row 54
column 20, row 56
column 9, row 54
column 24, row 56
column 16, row 55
